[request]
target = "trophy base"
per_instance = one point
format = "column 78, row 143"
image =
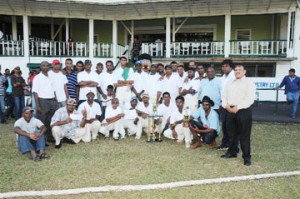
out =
column 149, row 141
column 158, row 140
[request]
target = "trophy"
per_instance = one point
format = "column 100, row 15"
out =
column 151, row 125
column 186, row 117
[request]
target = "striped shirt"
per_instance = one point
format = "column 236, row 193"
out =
column 72, row 83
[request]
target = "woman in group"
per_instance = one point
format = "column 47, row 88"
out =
column 18, row 94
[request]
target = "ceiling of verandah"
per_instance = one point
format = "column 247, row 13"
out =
column 141, row 9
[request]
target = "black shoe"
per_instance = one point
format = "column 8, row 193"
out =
column 247, row 162
column 58, row 146
column 229, row 155
column 69, row 141
column 222, row 148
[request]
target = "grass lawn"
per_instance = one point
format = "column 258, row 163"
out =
column 275, row 148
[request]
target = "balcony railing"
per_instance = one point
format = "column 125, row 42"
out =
column 185, row 48
column 156, row 49
column 257, row 48
column 11, row 48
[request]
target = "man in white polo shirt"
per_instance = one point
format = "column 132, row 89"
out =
column 46, row 103
column 94, row 112
column 171, row 83
column 59, row 82
column 87, row 80
column 190, row 90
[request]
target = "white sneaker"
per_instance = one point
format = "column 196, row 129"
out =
column 123, row 137
column 137, row 137
column 187, row 145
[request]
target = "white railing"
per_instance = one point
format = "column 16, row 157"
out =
column 11, row 48
column 103, row 50
column 58, row 48
column 185, row 48
column 258, row 47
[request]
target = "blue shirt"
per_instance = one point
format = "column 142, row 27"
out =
column 212, row 89
column 212, row 120
column 72, row 83
column 291, row 85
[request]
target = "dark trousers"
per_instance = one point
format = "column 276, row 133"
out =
column 225, row 139
column 48, row 106
column 239, row 126
column 9, row 102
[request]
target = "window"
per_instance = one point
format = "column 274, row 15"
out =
column 243, row 34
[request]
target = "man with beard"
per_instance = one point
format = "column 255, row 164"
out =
column 206, row 124
column 69, row 123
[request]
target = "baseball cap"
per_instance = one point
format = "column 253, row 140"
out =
column 145, row 95
column 134, row 98
column 55, row 62
column 71, row 101
column 28, row 109
column 138, row 63
column 87, row 62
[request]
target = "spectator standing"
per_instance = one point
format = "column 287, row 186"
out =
column 9, row 100
column 18, row 83
column 291, row 83
column 2, row 97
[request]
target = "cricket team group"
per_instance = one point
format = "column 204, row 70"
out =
column 71, row 102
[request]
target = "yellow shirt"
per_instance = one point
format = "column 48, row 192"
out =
column 239, row 92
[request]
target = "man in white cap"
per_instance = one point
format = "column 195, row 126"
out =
column 30, row 135
column 144, row 109
column 69, row 123
column 131, row 118
column 88, row 80
column 93, row 114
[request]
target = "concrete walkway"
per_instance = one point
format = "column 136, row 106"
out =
column 267, row 112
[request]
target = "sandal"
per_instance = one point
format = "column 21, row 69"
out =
column 43, row 156
column 34, row 158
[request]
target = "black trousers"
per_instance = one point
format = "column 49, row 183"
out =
column 48, row 106
column 239, row 126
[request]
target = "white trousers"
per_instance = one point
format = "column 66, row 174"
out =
column 124, row 96
column 143, row 123
column 80, row 134
column 183, row 133
column 94, row 127
column 130, row 126
column 116, row 126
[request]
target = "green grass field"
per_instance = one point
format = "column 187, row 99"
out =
column 275, row 148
